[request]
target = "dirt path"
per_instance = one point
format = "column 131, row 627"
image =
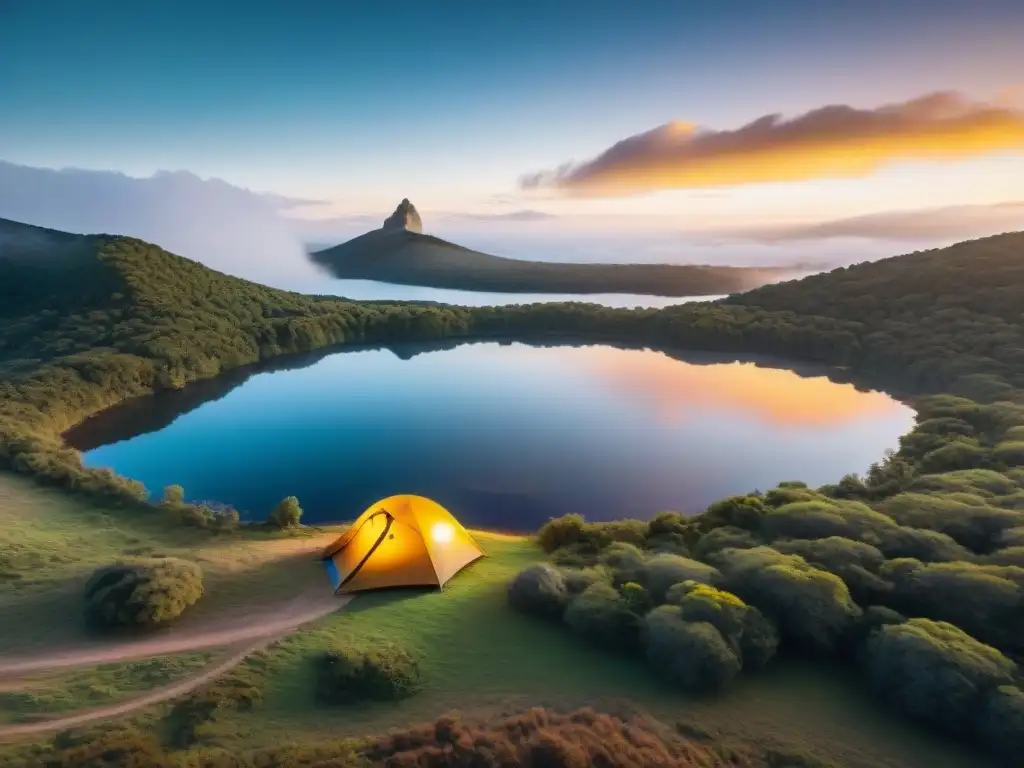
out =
column 251, row 639
column 282, row 619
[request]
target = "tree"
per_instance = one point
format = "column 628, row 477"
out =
column 286, row 514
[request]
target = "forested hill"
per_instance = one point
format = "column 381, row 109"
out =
column 89, row 321
column 984, row 277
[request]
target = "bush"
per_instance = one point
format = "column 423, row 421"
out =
column 726, row 537
column 108, row 748
column 637, row 598
column 661, row 571
column 743, row 512
column 602, row 616
column 286, row 514
column 624, row 561
column 811, row 607
column 1000, row 722
column 748, row 633
column 690, row 654
column 934, row 672
column 539, row 590
column 142, row 593
column 189, row 716
column 984, row 600
column 976, row 527
column 386, row 672
column 1010, row 453
column 854, row 562
column 574, row 531
column 173, row 494
column 929, row 546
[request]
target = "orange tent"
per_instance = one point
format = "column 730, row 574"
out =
column 401, row 541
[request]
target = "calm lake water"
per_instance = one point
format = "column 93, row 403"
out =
column 372, row 290
column 505, row 436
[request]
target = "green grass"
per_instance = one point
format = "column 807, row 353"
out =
column 50, row 542
column 48, row 694
column 479, row 657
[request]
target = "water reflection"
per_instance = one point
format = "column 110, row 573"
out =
column 506, row 435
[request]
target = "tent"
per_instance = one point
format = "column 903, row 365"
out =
column 401, row 541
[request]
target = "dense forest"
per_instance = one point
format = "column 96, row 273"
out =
column 914, row 573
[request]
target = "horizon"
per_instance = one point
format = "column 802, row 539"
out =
column 744, row 134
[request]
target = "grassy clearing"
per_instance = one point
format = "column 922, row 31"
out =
column 50, row 542
column 476, row 655
column 481, row 658
column 48, row 694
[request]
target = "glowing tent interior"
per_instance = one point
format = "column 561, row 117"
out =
column 401, row 541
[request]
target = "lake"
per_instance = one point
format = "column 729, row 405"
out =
column 372, row 290
column 504, row 435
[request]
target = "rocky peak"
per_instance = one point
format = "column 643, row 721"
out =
column 404, row 217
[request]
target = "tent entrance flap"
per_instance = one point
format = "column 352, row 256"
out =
column 389, row 521
column 402, row 540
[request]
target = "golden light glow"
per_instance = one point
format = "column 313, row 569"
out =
column 773, row 395
column 831, row 142
column 442, row 533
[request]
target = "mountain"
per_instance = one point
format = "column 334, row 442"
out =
column 399, row 252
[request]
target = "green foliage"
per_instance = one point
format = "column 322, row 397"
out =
column 1000, row 722
column 934, row 672
column 174, row 494
column 286, row 514
column 142, row 593
column 726, row 537
column 541, row 590
column 601, row 615
column 982, row 599
column 737, row 511
column 855, row 562
column 385, row 672
column 638, row 600
column 189, row 719
column 1010, row 453
column 811, row 607
column 573, row 530
column 690, row 654
column 663, row 570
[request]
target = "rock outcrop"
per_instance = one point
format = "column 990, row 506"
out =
column 404, row 217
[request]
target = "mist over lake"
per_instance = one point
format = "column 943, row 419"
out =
column 505, row 435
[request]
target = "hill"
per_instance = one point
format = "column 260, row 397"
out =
column 933, row 531
column 402, row 254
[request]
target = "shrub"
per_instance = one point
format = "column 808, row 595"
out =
column 286, row 514
column 690, row 654
column 624, row 561
column 749, row 634
column 1000, row 722
column 873, row 618
column 190, row 715
column 1010, row 453
column 759, row 640
column 963, row 453
column 107, row 748
column 982, row 599
column 661, row 571
column 573, row 530
column 853, row 561
column 976, row 527
column 737, row 511
column 811, row 607
column 386, row 672
column 578, row 579
column 173, row 494
column 539, row 590
column 726, row 537
column 934, row 672
column 142, row 593
column 600, row 615
column 921, row 544
column 637, row 598
column 1007, row 556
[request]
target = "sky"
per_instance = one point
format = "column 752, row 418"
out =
column 654, row 114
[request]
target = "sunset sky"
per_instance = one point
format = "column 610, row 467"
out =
column 473, row 107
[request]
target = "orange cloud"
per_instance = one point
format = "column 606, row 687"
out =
column 835, row 141
column 772, row 395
